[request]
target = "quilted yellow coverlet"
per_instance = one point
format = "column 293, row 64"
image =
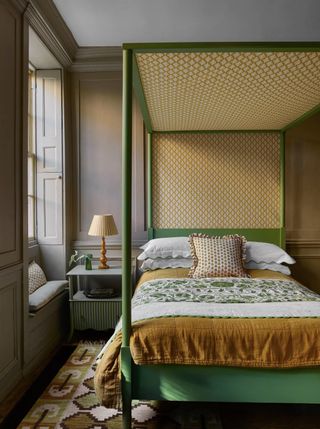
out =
column 264, row 342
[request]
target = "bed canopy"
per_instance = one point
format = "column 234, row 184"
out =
column 255, row 90
column 224, row 89
column 243, row 92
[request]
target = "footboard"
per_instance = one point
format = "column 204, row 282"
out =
column 226, row 384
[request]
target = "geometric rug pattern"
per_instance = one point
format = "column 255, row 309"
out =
column 69, row 402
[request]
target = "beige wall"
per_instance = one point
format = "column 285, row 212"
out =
column 96, row 107
column 302, row 177
column 303, row 200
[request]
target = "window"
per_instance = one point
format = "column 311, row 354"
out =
column 31, row 158
column 45, row 208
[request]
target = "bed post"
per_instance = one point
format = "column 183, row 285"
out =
column 126, row 237
column 149, row 187
column 282, row 190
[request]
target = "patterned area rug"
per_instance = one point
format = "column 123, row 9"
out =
column 69, row 402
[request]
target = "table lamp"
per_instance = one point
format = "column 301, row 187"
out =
column 103, row 226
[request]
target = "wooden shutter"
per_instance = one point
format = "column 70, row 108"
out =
column 49, row 156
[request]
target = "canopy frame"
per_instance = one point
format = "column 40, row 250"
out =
column 132, row 374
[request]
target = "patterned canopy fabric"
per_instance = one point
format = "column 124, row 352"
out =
column 228, row 90
column 221, row 180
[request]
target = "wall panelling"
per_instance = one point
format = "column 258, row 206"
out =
column 12, row 55
column 97, row 98
column 10, row 322
column 10, row 135
column 303, row 200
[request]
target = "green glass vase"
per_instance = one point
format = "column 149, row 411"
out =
column 88, row 264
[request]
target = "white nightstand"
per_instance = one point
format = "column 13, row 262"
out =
column 92, row 313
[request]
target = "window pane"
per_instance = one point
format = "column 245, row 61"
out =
column 31, row 112
column 31, row 228
column 30, row 176
column 31, row 158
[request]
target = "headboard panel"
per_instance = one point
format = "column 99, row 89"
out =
column 216, row 180
column 217, row 183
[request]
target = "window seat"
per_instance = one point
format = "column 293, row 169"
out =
column 45, row 294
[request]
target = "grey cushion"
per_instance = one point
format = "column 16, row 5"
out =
column 46, row 293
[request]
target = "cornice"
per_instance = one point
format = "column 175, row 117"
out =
column 97, row 58
column 95, row 52
column 46, row 20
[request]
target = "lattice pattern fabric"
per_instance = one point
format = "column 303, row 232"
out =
column 221, row 180
column 217, row 256
column 228, row 90
column 37, row 277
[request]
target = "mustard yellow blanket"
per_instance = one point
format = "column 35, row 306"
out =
column 245, row 342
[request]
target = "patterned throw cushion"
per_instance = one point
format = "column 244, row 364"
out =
column 37, row 277
column 217, row 256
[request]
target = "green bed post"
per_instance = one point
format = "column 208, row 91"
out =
column 126, row 237
column 149, row 187
column 282, row 190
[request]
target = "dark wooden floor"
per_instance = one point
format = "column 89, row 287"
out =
column 269, row 416
column 29, row 398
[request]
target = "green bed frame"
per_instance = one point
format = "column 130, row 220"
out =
column 188, row 382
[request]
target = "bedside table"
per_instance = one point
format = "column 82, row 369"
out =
column 92, row 313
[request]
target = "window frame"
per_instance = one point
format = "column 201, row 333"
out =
column 32, row 157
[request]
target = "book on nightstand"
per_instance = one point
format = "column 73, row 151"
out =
column 101, row 293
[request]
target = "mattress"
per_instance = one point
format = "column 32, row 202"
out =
column 278, row 332
column 183, row 273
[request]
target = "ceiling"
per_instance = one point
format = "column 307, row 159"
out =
column 111, row 23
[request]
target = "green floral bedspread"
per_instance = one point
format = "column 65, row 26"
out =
column 221, row 298
column 222, row 290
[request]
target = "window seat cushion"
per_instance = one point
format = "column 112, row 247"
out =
column 46, row 293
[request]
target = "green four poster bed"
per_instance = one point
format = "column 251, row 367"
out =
column 214, row 93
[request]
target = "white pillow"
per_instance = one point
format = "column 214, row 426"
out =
column 172, row 247
column 154, row 264
column 272, row 267
column 266, row 252
column 178, row 247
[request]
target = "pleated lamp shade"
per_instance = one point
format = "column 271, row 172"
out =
column 103, row 226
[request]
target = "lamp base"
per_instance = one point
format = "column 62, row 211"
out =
column 103, row 267
column 103, row 260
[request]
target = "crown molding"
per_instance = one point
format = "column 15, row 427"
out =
column 45, row 19
column 97, row 58
column 95, row 52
